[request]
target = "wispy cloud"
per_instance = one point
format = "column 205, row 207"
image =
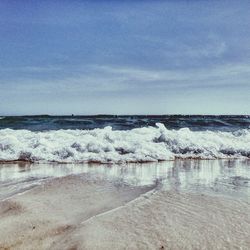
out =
column 198, row 77
column 32, row 69
column 114, row 79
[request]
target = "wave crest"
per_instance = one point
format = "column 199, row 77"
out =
column 136, row 145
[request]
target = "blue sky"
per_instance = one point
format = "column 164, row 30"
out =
column 124, row 57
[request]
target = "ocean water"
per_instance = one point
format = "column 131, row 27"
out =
column 193, row 122
column 118, row 139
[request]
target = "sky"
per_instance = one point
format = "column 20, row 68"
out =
column 124, row 57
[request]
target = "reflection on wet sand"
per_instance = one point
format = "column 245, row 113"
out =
column 191, row 205
column 218, row 176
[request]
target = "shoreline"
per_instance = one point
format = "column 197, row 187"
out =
column 124, row 162
column 175, row 205
column 45, row 213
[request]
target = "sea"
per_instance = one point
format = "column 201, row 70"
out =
column 127, row 138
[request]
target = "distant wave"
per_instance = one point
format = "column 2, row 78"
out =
column 194, row 122
column 136, row 145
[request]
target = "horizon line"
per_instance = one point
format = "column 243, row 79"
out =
column 94, row 115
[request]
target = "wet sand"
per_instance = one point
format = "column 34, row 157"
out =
column 174, row 205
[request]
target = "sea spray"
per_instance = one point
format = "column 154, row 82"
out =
column 136, row 145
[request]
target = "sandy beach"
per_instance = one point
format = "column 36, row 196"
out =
column 87, row 211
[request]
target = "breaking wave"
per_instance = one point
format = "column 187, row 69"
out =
column 136, row 145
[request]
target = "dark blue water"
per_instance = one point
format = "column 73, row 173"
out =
column 194, row 122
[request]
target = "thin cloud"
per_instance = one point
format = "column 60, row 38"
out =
column 113, row 79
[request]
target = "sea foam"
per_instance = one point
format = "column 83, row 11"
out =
column 136, row 145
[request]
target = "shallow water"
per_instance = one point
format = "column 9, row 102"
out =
column 221, row 177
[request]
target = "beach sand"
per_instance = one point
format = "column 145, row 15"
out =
column 86, row 212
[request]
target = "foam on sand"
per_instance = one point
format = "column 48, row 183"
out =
column 136, row 145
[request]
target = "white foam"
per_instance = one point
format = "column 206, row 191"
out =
column 106, row 145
